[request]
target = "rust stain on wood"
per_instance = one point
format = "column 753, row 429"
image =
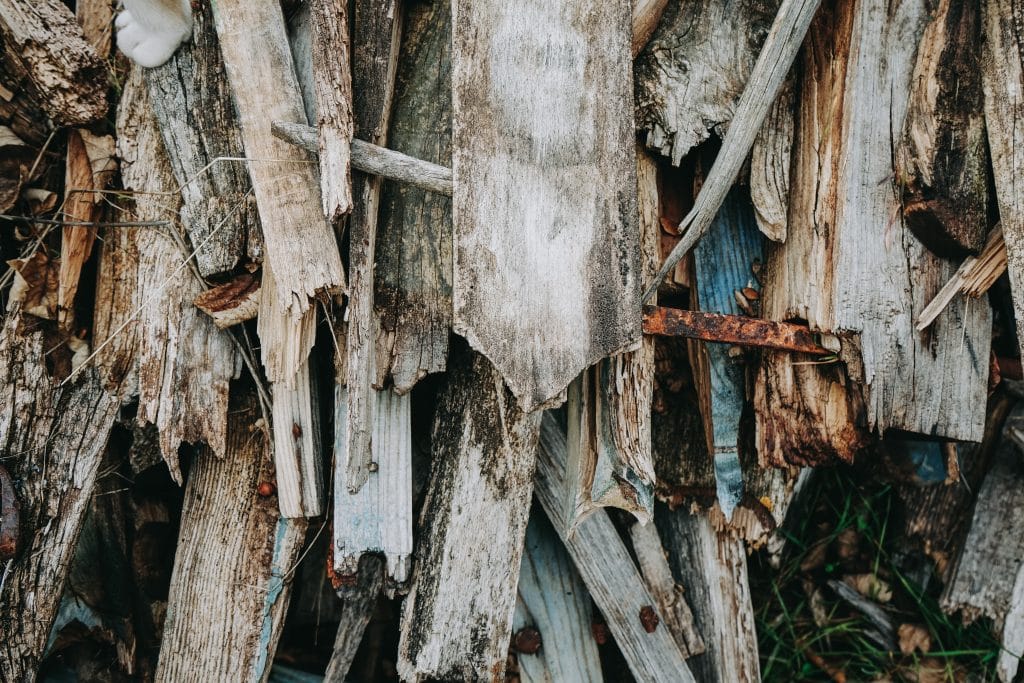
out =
column 649, row 618
column 731, row 329
column 8, row 517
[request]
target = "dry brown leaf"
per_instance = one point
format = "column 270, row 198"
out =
column 914, row 637
column 39, row 200
column 870, row 586
column 848, row 545
column 815, row 557
column 931, row 670
column 35, row 285
column 816, row 601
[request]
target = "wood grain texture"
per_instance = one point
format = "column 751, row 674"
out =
column 192, row 101
column 770, row 164
column 458, row 616
column 332, row 75
column 826, row 274
column 607, row 569
column 51, row 441
column 712, row 568
column 553, row 600
column 377, row 29
column 357, row 606
column 232, row 571
column 941, row 158
column 413, row 287
column 185, row 363
column 690, row 76
column 298, row 458
column 1003, row 83
column 45, row 41
column 377, row 518
column 544, row 205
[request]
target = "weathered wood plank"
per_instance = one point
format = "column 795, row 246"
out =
column 357, row 606
column 51, row 442
column 770, row 164
column 413, row 297
column 607, row 569
column 332, row 74
column 458, row 617
column 377, row 29
column 693, row 71
column 377, row 518
column 44, row 39
column 546, row 246
column 192, row 101
column 553, row 601
column 1003, row 84
column 933, row 385
column 941, row 158
column 712, row 568
column 646, row 15
column 232, row 571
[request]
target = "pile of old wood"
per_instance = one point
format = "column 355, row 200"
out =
column 202, row 293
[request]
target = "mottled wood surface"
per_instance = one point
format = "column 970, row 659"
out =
column 458, row 617
column 332, row 76
column 544, row 205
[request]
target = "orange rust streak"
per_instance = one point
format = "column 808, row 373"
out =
column 730, row 329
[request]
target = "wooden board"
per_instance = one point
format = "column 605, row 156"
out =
column 850, row 266
column 458, row 616
column 693, row 71
column 544, row 205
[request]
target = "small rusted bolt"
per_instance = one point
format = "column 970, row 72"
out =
column 266, row 489
column 296, row 430
column 600, row 631
column 373, row 467
column 751, row 293
column 526, row 640
column 649, row 618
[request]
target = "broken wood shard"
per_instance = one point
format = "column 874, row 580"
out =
column 731, row 329
column 233, row 302
column 332, row 75
column 546, row 246
column 973, row 278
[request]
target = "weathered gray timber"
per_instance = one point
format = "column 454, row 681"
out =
column 544, row 205
column 357, row 606
column 377, row 29
column 554, row 602
column 770, row 163
column 413, row 276
column 607, row 569
column 1003, row 82
column 458, row 617
column 690, row 76
column 332, row 78
column 232, row 570
column 941, row 159
column 191, row 99
column 825, row 273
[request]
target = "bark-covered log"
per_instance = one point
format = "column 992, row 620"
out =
column 45, row 41
column 51, row 442
column 192, row 101
column 233, row 569
column 941, row 158
column 693, row 71
column 824, row 274
column 458, row 617
column 544, row 205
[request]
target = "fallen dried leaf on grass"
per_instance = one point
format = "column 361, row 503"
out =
column 914, row 637
column 35, row 285
column 870, row 586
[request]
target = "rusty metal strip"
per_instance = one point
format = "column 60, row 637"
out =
column 731, row 329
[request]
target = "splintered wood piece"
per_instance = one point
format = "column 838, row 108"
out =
column 724, row 263
column 375, row 54
column 233, row 302
column 51, row 440
column 357, row 606
column 231, row 570
column 300, row 249
column 988, row 580
column 930, row 384
column 770, row 164
column 458, row 616
column 553, row 601
column 671, row 599
column 186, row 400
column 607, row 569
column 544, row 205
column 729, row 328
column 941, row 158
column 713, row 568
column 766, row 78
column 42, row 37
column 1002, row 79
column 646, row 15
column 974, row 277
column 692, row 74
column 378, row 518
column 332, row 75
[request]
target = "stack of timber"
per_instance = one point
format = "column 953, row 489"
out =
column 427, row 340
